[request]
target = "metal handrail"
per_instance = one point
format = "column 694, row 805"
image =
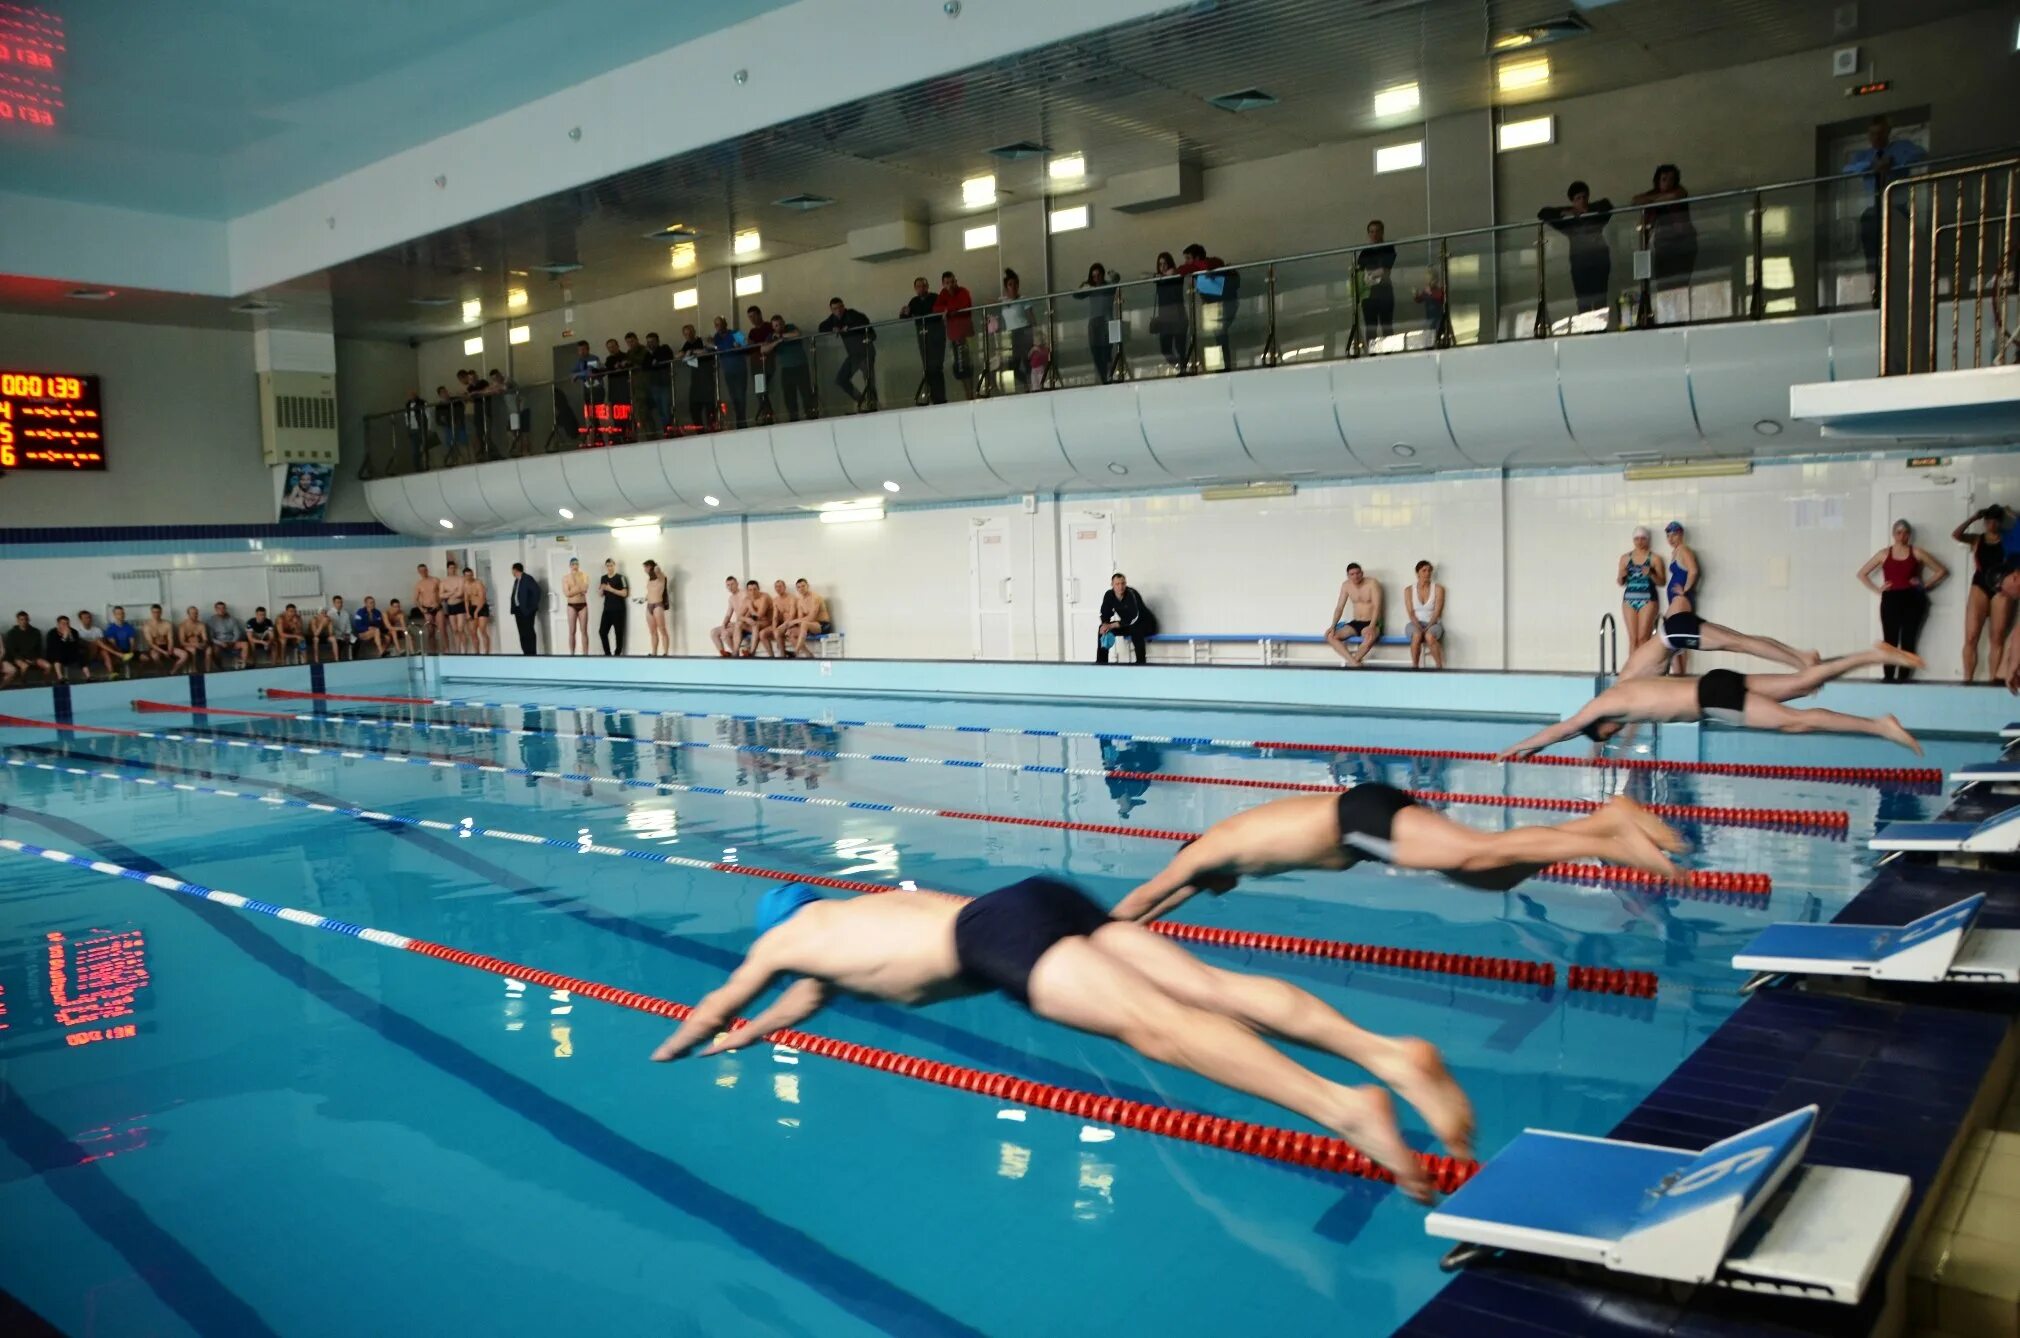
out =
column 1609, row 646
column 1983, row 174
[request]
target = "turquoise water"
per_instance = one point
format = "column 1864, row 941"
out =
column 213, row 1121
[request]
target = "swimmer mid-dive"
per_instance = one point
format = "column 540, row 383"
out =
column 1380, row 822
column 1684, row 631
column 1058, row 954
column 1756, row 701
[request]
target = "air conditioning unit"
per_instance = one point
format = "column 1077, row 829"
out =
column 298, row 417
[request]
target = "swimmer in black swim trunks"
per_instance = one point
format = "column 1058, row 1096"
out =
column 1049, row 948
column 1685, row 631
column 1755, row 701
column 1379, row 822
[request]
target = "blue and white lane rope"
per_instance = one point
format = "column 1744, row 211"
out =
column 1257, row 1140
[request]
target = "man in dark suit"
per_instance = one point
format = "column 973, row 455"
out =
column 524, row 607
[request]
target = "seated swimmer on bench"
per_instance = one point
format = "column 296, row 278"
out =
column 1047, row 947
column 1380, row 822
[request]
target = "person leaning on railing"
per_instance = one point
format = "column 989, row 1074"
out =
column 1099, row 295
column 1583, row 222
column 1218, row 288
column 931, row 329
column 701, row 403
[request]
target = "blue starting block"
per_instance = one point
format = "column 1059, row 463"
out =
column 1744, row 1213
column 1942, row 945
column 1987, row 773
column 1996, row 835
column 2011, row 731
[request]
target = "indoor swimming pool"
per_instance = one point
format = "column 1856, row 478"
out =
column 223, row 1119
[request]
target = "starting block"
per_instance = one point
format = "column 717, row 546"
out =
column 1942, row 945
column 1744, row 1213
column 1987, row 773
column 2011, row 731
column 1996, row 835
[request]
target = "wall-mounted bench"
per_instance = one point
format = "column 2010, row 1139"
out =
column 1268, row 647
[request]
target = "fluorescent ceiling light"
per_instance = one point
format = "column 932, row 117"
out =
column 1526, row 134
column 634, row 534
column 711, row 501
column 565, row 513
column 473, row 310
column 515, row 298
column 519, row 334
column 686, row 299
column 1514, row 76
column 1399, row 157
column 680, row 255
column 854, row 515
column 473, row 345
column 749, row 285
column 1398, row 101
column 1069, row 220
column 446, row 523
column 1686, row 469
column 975, row 239
column 746, row 242
column 979, row 192
column 1068, row 167
column 890, row 485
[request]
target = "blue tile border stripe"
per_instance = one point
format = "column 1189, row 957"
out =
column 135, row 540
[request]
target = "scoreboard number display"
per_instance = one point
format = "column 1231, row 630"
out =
column 50, row 420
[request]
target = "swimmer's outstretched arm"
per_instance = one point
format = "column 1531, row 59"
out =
column 798, row 1002
column 1566, row 728
column 714, row 1012
column 1163, row 894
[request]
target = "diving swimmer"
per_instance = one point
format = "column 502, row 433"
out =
column 1756, row 701
column 1047, row 947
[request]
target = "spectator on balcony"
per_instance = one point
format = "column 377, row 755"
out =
column 483, row 402
column 616, row 390
column 955, row 304
column 659, row 382
column 787, row 349
column 1583, row 222
column 1373, row 264
column 24, row 649
column 1016, row 319
column 414, row 419
column 1124, row 616
column 445, row 420
column 732, row 370
column 1881, row 161
column 1169, row 324
column 757, row 338
column 1098, row 292
column 1672, row 237
column 638, row 358
column 701, row 401
column 1219, row 288
column 859, row 351
column 1431, row 296
column 510, row 401
column 931, row 329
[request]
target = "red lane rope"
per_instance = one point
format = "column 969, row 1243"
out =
column 1319, row 1151
column 1912, row 775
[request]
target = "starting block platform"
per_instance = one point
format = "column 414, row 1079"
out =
column 1987, row 773
column 1996, row 835
column 1942, row 945
column 1743, row 1213
column 2011, row 731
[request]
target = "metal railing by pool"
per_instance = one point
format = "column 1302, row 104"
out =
column 1787, row 248
column 1947, row 245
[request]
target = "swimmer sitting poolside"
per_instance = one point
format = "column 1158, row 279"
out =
column 1380, row 822
column 1058, row 954
column 1755, row 701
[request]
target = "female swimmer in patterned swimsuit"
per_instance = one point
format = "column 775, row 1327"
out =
column 1636, row 579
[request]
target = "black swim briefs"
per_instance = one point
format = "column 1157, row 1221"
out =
column 1721, row 696
column 999, row 936
column 1367, row 816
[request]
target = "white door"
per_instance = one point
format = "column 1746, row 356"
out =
column 556, row 620
column 993, row 589
column 1933, row 511
column 1090, row 561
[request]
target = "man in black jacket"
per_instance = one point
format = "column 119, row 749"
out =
column 932, row 331
column 524, row 606
column 1583, row 223
column 1123, row 615
column 859, row 351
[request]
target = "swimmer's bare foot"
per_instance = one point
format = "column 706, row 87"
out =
column 1637, row 851
column 1811, row 657
column 1417, row 1072
column 1367, row 1119
column 1650, row 826
column 1890, row 727
column 1900, row 659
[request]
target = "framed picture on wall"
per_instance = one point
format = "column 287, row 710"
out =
column 305, row 493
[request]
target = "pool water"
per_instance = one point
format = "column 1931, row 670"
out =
column 216, row 1121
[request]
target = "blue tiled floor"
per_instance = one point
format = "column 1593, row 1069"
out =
column 1892, row 1077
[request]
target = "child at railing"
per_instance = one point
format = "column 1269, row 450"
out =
column 1431, row 297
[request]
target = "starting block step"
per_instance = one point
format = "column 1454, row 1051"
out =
column 1942, row 945
column 1743, row 1213
column 1996, row 835
column 1987, row 773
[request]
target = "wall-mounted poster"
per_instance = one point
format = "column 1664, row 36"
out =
column 305, row 492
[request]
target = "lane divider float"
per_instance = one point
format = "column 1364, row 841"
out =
column 1816, row 819
column 1319, row 1151
column 1509, row 969
column 1899, row 775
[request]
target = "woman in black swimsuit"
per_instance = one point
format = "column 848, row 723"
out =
column 1985, row 603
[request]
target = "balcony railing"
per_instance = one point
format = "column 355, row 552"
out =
column 1947, row 247
column 1787, row 249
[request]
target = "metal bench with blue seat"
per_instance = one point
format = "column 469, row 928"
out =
column 1744, row 1213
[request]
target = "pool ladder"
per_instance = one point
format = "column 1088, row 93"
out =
column 1609, row 651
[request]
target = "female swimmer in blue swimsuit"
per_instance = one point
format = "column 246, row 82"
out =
column 1636, row 579
column 1681, row 593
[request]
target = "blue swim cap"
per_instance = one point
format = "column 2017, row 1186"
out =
column 781, row 904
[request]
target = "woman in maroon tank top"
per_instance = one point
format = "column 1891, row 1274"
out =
column 1907, row 575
